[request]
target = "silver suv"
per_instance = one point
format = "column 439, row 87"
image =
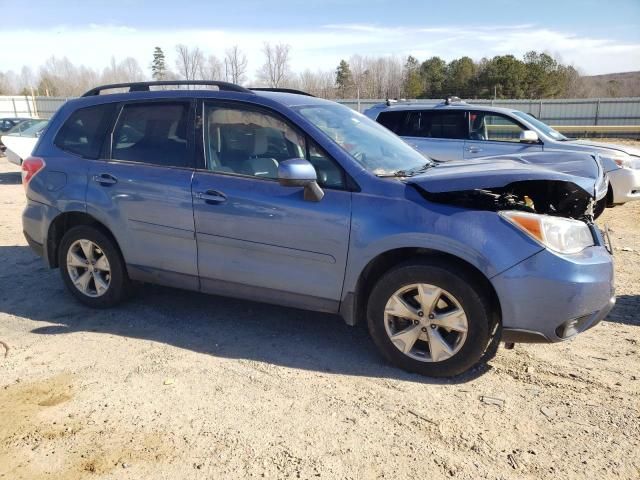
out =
column 456, row 130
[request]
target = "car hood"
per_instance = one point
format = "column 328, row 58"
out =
column 607, row 146
column 582, row 164
column 507, row 184
column 497, row 173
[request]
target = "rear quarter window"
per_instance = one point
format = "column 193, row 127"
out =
column 84, row 132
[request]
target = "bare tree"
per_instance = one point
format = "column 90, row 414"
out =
column 189, row 62
column 235, row 65
column 211, row 68
column 275, row 70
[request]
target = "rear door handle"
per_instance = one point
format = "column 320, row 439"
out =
column 105, row 179
column 212, row 197
column 473, row 149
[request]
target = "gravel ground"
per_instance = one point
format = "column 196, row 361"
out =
column 181, row 385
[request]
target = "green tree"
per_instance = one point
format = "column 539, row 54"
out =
column 158, row 67
column 433, row 72
column 412, row 78
column 460, row 78
column 503, row 76
column 541, row 75
column 344, row 79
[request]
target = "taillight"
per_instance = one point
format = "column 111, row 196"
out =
column 30, row 167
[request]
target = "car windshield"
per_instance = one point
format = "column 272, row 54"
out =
column 374, row 147
column 33, row 128
column 22, row 126
column 543, row 127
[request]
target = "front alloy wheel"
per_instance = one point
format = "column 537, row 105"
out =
column 425, row 322
column 432, row 317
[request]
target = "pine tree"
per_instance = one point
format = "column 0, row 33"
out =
column 158, row 68
column 343, row 77
column 412, row 80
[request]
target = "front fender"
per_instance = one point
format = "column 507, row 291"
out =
column 480, row 238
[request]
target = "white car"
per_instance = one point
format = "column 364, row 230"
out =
column 19, row 143
column 456, row 130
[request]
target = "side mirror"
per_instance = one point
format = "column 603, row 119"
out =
column 298, row 172
column 529, row 136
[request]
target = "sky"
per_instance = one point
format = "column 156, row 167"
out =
column 595, row 36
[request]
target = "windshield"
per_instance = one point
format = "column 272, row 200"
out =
column 32, row 130
column 543, row 127
column 370, row 144
column 24, row 126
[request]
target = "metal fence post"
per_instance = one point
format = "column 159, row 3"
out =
column 597, row 112
column 540, row 109
column 26, row 100
column 15, row 112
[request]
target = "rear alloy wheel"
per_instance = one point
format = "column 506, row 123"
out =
column 92, row 267
column 431, row 318
column 88, row 268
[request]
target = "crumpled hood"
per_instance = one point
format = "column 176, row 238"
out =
column 497, row 173
column 607, row 146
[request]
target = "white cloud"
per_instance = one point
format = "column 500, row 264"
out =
column 320, row 47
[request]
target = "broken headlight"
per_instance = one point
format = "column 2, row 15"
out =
column 563, row 235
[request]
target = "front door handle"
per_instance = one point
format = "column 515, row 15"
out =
column 105, row 179
column 212, row 197
column 473, row 149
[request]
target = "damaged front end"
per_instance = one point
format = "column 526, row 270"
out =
column 507, row 185
column 549, row 197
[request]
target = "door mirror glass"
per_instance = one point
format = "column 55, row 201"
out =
column 529, row 136
column 298, row 172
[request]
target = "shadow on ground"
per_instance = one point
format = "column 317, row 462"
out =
column 626, row 310
column 206, row 324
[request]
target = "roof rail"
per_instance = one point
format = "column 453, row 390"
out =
column 282, row 90
column 144, row 86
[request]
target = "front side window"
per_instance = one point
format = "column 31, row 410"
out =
column 244, row 141
column 393, row 120
column 154, row 133
column 85, row 130
column 543, row 127
column 493, row 127
column 370, row 144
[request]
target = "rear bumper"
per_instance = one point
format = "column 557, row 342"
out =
column 550, row 297
column 36, row 218
column 625, row 183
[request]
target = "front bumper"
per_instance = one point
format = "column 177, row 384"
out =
column 625, row 183
column 551, row 297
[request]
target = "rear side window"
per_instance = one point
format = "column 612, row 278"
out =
column 435, row 124
column 154, row 133
column 85, row 130
column 392, row 120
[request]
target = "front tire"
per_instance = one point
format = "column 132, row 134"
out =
column 431, row 318
column 92, row 267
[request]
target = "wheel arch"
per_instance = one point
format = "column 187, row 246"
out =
column 353, row 306
column 66, row 221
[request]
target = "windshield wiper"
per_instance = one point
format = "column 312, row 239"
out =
column 410, row 172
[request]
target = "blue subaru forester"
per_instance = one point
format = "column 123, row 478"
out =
column 280, row 197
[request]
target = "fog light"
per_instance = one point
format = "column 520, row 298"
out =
column 572, row 327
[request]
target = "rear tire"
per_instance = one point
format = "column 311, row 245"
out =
column 439, row 307
column 92, row 267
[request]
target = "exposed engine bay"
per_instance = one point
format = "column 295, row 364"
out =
column 550, row 197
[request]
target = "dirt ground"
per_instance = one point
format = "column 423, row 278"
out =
column 179, row 385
